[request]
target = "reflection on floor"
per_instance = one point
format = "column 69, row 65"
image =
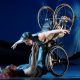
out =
column 72, row 72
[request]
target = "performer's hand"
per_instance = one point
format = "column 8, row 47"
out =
column 16, row 43
column 14, row 46
column 65, row 31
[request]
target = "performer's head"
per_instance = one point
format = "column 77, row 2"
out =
column 27, row 37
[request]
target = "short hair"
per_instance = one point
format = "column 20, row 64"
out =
column 26, row 35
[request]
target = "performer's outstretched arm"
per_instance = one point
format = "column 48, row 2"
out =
column 46, row 34
column 55, row 32
column 16, row 43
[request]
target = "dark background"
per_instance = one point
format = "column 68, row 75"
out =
column 18, row 16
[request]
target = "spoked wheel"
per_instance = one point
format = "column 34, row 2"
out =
column 57, row 61
column 63, row 17
column 45, row 17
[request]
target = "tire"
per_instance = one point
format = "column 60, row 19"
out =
column 64, row 10
column 45, row 14
column 57, row 61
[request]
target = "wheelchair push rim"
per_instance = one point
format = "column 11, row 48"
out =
column 57, row 61
column 66, row 11
column 45, row 14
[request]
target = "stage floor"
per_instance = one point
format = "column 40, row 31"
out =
column 73, row 72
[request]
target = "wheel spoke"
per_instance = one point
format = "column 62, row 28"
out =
column 45, row 13
column 59, row 60
column 64, row 10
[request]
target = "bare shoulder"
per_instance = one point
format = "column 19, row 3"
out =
column 41, row 36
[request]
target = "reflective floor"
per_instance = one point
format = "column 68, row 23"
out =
column 72, row 72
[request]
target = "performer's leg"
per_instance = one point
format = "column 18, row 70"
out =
column 41, row 62
column 40, row 58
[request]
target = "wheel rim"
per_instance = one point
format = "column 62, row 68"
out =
column 59, row 61
column 45, row 14
column 64, row 10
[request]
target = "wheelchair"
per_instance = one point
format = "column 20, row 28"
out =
column 56, row 61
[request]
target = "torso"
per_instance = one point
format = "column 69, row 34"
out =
column 36, row 39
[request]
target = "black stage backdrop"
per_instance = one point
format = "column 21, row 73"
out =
column 18, row 16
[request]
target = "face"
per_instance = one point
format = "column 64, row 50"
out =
column 28, row 42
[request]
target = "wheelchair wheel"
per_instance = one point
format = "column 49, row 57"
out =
column 64, row 16
column 57, row 61
column 45, row 14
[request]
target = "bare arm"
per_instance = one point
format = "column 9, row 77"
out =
column 16, row 43
column 57, row 31
column 34, row 54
